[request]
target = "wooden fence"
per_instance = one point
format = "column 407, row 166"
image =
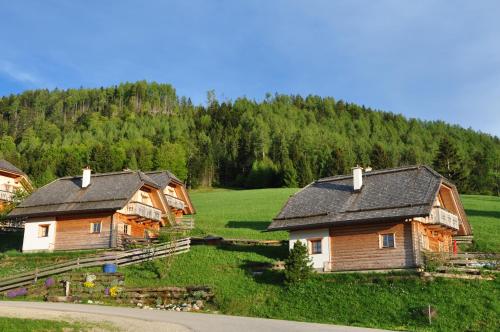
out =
column 123, row 258
column 214, row 240
column 9, row 225
column 467, row 259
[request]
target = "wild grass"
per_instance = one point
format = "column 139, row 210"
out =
column 8, row 324
column 383, row 301
column 13, row 261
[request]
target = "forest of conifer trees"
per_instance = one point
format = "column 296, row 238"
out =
column 280, row 141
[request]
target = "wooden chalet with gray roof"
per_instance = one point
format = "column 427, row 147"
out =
column 374, row 220
column 12, row 179
column 92, row 211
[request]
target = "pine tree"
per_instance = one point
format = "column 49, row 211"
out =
column 449, row 163
column 298, row 266
column 379, row 157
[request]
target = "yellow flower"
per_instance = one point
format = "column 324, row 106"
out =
column 88, row 284
column 113, row 291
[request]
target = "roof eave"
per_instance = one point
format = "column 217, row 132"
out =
column 59, row 213
column 343, row 222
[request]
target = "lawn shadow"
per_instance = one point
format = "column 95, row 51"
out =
column 255, row 225
column 11, row 241
column 479, row 213
column 272, row 252
column 262, row 272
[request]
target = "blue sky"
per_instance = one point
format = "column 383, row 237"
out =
column 424, row 59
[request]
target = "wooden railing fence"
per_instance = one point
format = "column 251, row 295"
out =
column 123, row 258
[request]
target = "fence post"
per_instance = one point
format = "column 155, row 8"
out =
column 36, row 275
column 78, row 262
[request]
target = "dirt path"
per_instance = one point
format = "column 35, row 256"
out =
column 133, row 319
column 99, row 323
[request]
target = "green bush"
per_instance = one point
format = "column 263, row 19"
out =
column 298, row 266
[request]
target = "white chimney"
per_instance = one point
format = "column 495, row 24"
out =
column 86, row 177
column 357, row 177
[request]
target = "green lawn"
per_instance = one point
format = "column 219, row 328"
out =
column 484, row 215
column 239, row 213
column 8, row 324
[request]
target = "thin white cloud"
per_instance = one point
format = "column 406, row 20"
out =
column 12, row 71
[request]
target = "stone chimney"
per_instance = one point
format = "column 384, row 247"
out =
column 357, row 178
column 86, row 177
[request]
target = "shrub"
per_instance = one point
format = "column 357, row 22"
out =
column 298, row 266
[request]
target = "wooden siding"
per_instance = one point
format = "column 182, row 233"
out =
column 136, row 229
column 357, row 247
column 73, row 232
column 435, row 235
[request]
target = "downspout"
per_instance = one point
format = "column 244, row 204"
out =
column 112, row 236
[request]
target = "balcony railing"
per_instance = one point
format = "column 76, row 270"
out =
column 175, row 202
column 143, row 210
column 444, row 217
column 6, row 195
column 184, row 223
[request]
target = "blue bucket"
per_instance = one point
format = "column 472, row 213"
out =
column 109, row 268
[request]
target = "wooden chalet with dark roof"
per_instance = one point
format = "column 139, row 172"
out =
column 93, row 211
column 374, row 220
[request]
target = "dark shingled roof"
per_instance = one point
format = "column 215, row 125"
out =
column 163, row 178
column 106, row 192
column 396, row 193
column 6, row 166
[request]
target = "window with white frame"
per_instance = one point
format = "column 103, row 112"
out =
column 95, row 227
column 127, row 229
column 424, row 241
column 315, row 247
column 387, row 240
column 43, row 230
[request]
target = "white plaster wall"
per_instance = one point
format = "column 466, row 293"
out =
column 32, row 242
column 318, row 260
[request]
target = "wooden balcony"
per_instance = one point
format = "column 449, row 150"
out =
column 444, row 217
column 142, row 210
column 7, row 196
column 175, row 202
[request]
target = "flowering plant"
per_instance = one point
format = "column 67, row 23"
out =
column 17, row 292
column 88, row 284
column 113, row 291
column 90, row 278
column 49, row 282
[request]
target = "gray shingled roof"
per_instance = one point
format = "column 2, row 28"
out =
column 386, row 194
column 5, row 165
column 163, row 178
column 109, row 191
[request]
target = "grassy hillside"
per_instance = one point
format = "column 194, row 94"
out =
column 393, row 302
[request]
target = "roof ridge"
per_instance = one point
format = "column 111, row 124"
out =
column 98, row 174
column 376, row 172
